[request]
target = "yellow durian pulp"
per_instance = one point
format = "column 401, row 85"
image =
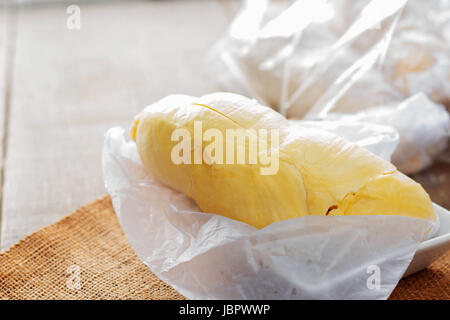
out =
column 319, row 173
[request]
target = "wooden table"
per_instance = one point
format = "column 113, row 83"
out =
column 61, row 89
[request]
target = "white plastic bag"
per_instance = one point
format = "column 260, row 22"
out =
column 208, row 256
column 313, row 58
column 423, row 128
column 305, row 57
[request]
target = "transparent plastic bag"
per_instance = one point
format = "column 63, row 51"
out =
column 312, row 59
column 208, row 256
column 423, row 128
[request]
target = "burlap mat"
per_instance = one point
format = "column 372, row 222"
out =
column 86, row 256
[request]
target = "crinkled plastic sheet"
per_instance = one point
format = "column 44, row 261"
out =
column 423, row 129
column 312, row 59
column 208, row 256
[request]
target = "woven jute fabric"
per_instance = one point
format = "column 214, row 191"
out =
column 86, row 256
column 83, row 256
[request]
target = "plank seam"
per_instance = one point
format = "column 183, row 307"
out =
column 11, row 12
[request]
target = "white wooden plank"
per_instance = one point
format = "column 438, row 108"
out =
column 70, row 86
column 3, row 49
column 3, row 87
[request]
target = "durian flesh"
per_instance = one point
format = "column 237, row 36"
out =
column 318, row 172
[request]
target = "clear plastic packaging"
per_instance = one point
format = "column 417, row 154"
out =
column 423, row 128
column 312, row 59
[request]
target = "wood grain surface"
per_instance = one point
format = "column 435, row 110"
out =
column 69, row 86
column 3, row 88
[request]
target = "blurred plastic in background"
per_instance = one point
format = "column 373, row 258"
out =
column 379, row 62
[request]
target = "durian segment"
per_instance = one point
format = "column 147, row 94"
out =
column 319, row 173
column 389, row 194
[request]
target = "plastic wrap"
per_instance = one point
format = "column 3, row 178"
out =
column 423, row 128
column 311, row 59
column 208, row 256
